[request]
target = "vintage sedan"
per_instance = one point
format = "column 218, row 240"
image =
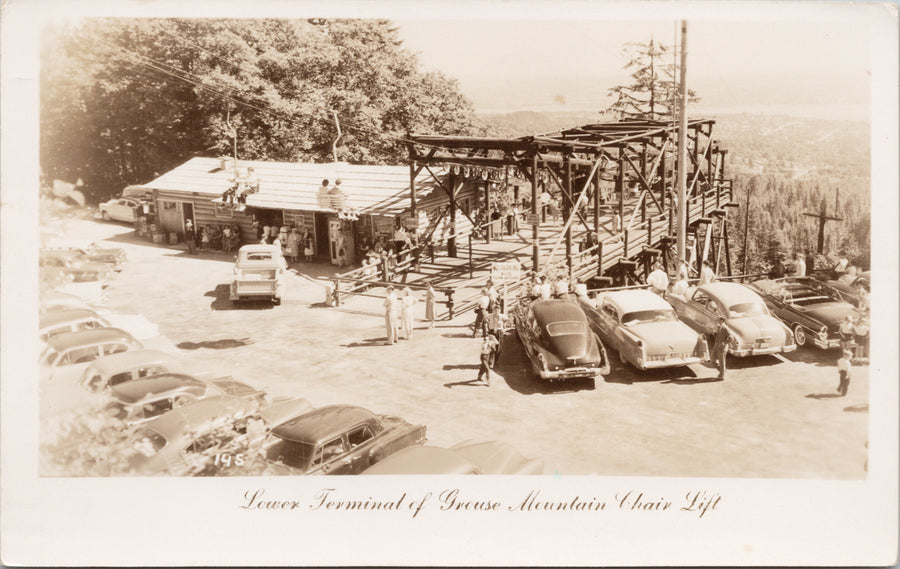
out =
column 187, row 440
column 338, row 439
column 469, row 457
column 93, row 251
column 119, row 209
column 558, row 340
column 67, row 355
column 143, row 399
column 73, row 266
column 55, row 301
column 752, row 330
column 258, row 274
column 644, row 329
column 114, row 369
column 58, row 322
column 812, row 309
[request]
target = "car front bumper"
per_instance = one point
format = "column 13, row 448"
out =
column 826, row 344
column 670, row 362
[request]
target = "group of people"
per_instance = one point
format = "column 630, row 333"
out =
column 240, row 188
column 292, row 241
column 659, row 281
column 399, row 312
column 211, row 237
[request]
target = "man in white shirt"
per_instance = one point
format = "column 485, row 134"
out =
column 799, row 266
column 658, row 280
column 707, row 276
column 546, row 289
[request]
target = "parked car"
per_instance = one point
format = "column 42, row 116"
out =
column 812, row 309
column 112, row 256
column 752, row 329
column 127, row 366
column 558, row 340
column 73, row 266
column 55, row 301
column 487, row 457
column 644, row 329
column 58, row 322
column 143, row 399
column 187, row 439
column 119, row 209
column 67, row 355
column 338, row 439
column 258, row 273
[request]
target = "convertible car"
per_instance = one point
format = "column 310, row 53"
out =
column 338, row 439
column 752, row 330
column 813, row 310
column 644, row 329
column 187, row 440
column 143, row 399
column 558, row 340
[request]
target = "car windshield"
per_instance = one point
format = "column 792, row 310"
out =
column 747, row 309
column 290, row 453
column 565, row 328
column 49, row 356
column 148, row 442
column 648, row 316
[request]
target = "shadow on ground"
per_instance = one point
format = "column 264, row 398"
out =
column 368, row 342
column 860, row 408
column 813, row 355
column 216, row 344
column 823, row 395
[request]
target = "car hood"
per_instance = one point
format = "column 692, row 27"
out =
column 752, row 328
column 91, row 267
column 495, row 457
column 658, row 336
column 829, row 313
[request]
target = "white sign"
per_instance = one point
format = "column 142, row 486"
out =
column 502, row 273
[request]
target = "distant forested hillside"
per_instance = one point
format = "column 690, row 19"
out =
column 790, row 165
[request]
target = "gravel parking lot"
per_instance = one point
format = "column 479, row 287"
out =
column 772, row 417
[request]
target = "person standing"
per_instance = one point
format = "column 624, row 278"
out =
column 720, row 347
column 846, row 332
column 293, row 245
column 707, row 275
column 546, row 288
column 844, row 366
column 429, row 305
column 484, row 301
column 306, row 242
column 658, row 280
column 683, row 272
column 861, row 337
column 391, row 313
column 488, row 346
column 407, row 308
column 799, row 265
column 778, row 269
column 189, row 237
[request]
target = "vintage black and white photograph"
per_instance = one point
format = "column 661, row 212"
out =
column 575, row 249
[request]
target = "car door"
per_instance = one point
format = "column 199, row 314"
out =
column 698, row 313
column 360, row 441
column 608, row 324
column 332, row 458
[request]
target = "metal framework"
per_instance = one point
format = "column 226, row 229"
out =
column 574, row 165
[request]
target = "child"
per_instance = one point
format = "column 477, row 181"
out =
column 204, row 239
column 844, row 370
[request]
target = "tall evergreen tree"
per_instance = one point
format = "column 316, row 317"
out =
column 653, row 91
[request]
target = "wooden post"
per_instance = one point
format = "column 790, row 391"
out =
column 451, row 241
column 567, row 209
column 727, row 247
column 449, row 292
column 470, row 255
column 625, row 249
column 535, row 227
column 620, row 184
column 600, row 259
column 662, row 175
column 487, row 208
column 337, row 292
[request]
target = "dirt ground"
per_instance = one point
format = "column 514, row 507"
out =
column 772, row 417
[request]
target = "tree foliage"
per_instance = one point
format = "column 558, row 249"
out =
column 653, row 91
column 125, row 100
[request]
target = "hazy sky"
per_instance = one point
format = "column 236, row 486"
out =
column 770, row 62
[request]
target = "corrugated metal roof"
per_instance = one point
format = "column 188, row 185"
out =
column 376, row 190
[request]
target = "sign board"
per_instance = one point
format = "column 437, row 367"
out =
column 509, row 272
column 410, row 222
column 532, row 218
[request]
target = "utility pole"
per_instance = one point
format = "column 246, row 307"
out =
column 682, row 149
column 823, row 219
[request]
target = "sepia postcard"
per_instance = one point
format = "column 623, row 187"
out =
column 431, row 283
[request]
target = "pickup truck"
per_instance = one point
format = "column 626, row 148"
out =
column 258, row 274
